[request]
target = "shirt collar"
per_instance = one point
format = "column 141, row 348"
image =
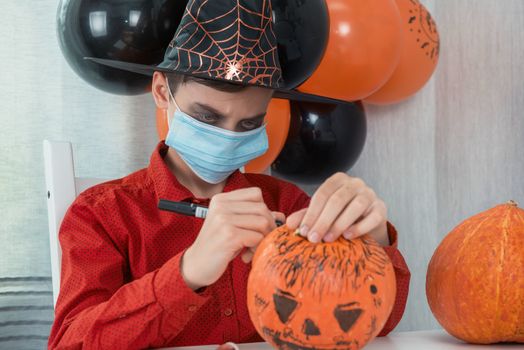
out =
column 167, row 185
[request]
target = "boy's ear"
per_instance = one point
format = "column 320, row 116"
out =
column 159, row 90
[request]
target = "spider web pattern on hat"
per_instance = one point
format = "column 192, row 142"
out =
column 232, row 40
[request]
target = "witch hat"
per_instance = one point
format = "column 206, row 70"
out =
column 226, row 40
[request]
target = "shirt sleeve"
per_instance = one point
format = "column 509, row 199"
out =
column 98, row 309
column 301, row 200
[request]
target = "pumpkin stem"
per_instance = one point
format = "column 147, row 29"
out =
column 512, row 202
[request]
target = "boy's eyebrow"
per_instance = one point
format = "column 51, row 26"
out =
column 217, row 113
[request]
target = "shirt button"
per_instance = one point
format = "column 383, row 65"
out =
column 192, row 308
column 228, row 312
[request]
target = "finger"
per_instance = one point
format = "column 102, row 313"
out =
column 233, row 345
column 332, row 210
column 258, row 223
column 247, row 256
column 323, row 195
column 245, row 207
column 293, row 220
column 278, row 216
column 251, row 194
column 241, row 238
column 357, row 208
column 228, row 346
column 375, row 218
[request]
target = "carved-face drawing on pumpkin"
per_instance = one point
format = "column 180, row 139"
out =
column 319, row 296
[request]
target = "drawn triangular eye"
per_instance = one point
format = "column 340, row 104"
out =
column 347, row 315
column 285, row 305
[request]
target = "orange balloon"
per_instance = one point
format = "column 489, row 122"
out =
column 161, row 123
column 419, row 56
column 277, row 119
column 363, row 49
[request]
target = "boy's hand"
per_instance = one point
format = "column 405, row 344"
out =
column 342, row 205
column 235, row 220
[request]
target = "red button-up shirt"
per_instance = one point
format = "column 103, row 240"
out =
column 121, row 286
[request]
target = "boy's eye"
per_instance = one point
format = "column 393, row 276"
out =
column 210, row 119
column 250, row 124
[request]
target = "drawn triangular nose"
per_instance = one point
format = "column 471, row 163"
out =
column 310, row 328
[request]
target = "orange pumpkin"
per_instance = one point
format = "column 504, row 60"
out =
column 475, row 280
column 302, row 295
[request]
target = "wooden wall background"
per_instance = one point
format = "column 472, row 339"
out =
column 454, row 149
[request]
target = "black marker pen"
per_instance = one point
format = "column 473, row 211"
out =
column 190, row 209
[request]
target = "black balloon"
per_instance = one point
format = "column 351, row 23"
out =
column 323, row 139
column 137, row 31
column 302, row 30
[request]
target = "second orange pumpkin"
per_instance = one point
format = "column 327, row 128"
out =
column 475, row 280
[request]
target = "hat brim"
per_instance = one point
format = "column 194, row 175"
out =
column 144, row 69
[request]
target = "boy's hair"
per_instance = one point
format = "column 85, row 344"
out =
column 175, row 80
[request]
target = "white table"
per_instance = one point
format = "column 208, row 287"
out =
column 419, row 340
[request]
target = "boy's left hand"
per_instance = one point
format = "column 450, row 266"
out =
column 342, row 205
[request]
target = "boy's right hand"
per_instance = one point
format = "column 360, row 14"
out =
column 235, row 220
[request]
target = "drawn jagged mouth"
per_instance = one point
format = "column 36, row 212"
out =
column 285, row 345
column 294, row 344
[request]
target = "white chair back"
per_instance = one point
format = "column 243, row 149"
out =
column 62, row 189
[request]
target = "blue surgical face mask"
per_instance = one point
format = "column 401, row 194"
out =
column 211, row 152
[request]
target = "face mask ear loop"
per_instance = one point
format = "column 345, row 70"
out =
column 170, row 95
